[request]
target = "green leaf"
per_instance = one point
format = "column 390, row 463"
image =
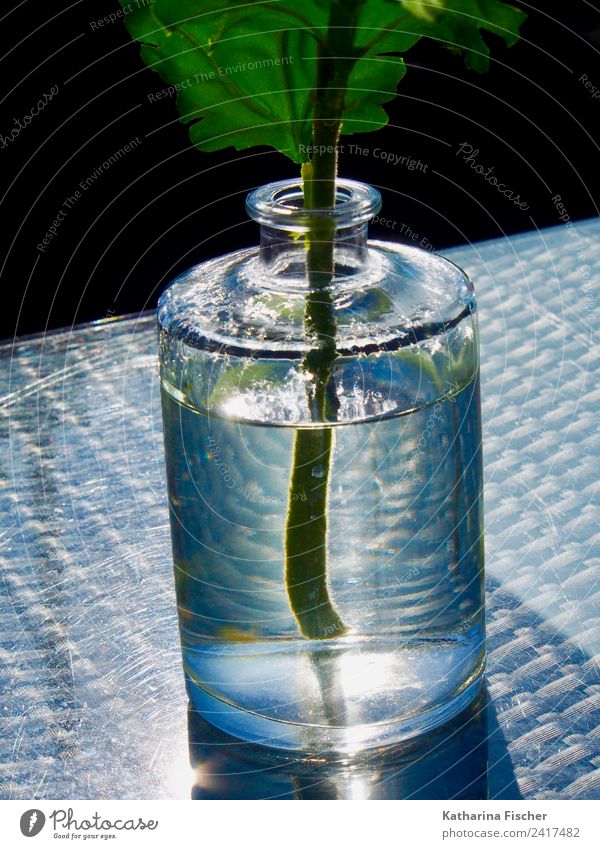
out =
column 245, row 73
column 383, row 32
column 459, row 23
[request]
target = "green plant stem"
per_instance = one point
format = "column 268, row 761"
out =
column 306, row 528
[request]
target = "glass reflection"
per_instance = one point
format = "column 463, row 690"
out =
column 449, row 763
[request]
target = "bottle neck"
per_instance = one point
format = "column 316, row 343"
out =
column 286, row 251
column 288, row 231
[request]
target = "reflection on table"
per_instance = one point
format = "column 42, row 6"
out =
column 451, row 763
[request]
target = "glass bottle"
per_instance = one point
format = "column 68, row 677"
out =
column 399, row 647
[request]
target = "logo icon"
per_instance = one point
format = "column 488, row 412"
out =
column 32, row 822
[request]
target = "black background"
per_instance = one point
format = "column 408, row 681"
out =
column 164, row 206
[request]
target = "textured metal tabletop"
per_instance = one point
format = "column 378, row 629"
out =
column 93, row 703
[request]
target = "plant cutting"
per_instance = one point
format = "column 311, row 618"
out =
column 315, row 339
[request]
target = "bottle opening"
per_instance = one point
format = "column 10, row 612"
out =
column 280, row 205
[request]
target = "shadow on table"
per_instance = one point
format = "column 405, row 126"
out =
column 466, row 759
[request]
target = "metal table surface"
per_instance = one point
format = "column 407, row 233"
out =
column 93, row 702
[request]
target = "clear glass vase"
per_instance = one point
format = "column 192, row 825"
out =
column 328, row 565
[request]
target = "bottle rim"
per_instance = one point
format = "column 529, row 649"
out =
column 281, row 205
